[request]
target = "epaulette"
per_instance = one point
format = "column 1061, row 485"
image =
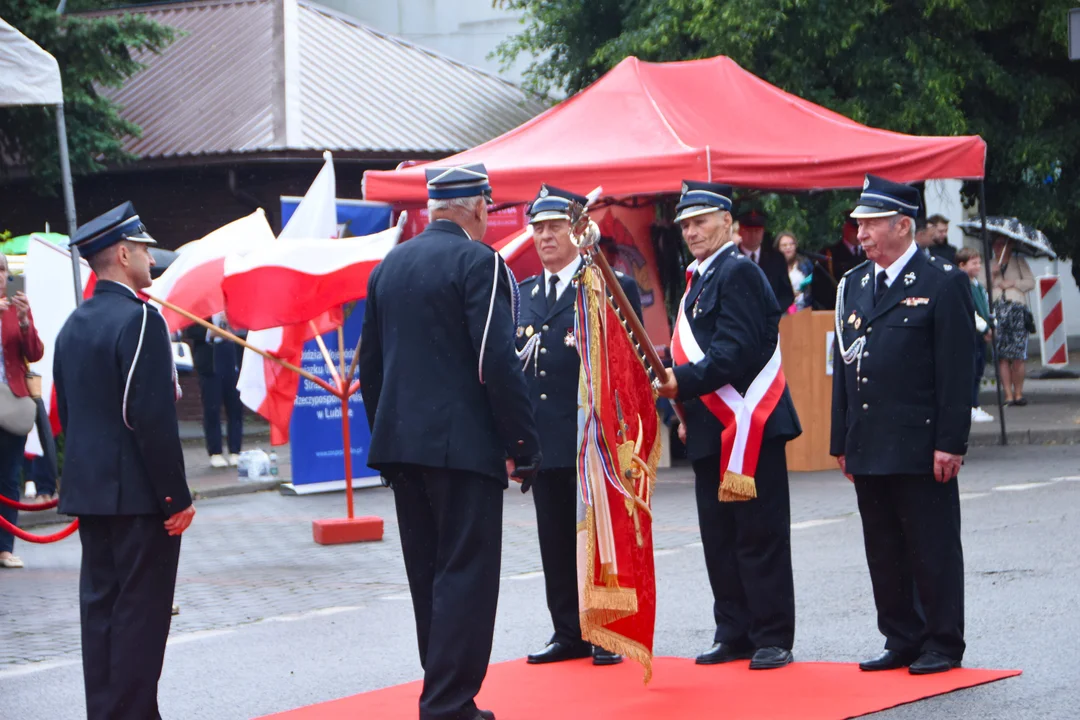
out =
column 858, row 267
column 944, row 267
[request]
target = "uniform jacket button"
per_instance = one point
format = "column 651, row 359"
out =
column 543, row 351
column 544, row 327
column 543, row 396
column 168, row 499
column 865, row 406
column 866, row 354
column 865, row 380
column 869, row 329
column 927, row 421
column 543, row 373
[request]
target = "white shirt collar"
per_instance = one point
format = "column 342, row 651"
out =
column 752, row 254
column 564, row 275
column 703, row 265
column 893, row 271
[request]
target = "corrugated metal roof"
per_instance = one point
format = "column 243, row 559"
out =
column 220, row 87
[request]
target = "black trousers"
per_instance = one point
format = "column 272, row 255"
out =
column 220, row 389
column 451, row 537
column 125, row 600
column 748, row 553
column 555, row 496
column 911, row 529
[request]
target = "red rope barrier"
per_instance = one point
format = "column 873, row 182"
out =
column 29, row 537
column 29, row 507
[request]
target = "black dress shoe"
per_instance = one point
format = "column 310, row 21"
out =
column 722, row 653
column 483, row 715
column 889, row 660
column 770, row 658
column 600, row 656
column 932, row 662
column 559, row 651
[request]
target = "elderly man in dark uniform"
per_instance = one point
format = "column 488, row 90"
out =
column 901, row 412
column 552, row 369
column 123, row 469
column 450, row 419
column 728, row 331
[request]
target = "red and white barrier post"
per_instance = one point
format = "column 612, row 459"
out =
column 1051, row 322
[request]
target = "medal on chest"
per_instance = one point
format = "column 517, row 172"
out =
column 570, row 341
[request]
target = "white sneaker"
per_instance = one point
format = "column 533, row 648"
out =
column 218, row 461
column 234, row 459
column 980, row 415
column 30, row 490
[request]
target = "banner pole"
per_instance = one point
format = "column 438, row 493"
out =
column 242, row 343
column 346, row 438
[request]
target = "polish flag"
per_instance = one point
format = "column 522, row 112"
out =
column 308, row 277
column 193, row 280
column 266, row 387
column 50, row 290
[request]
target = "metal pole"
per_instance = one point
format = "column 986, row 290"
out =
column 988, row 253
column 69, row 200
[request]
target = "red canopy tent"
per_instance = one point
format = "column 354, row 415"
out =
column 644, row 127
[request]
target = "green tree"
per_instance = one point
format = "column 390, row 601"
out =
column 996, row 68
column 93, row 53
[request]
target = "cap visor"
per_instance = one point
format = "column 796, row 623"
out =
column 865, row 211
column 548, row 215
column 694, row 212
column 141, row 237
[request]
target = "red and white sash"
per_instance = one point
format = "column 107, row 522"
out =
column 743, row 416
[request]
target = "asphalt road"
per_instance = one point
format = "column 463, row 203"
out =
column 271, row 621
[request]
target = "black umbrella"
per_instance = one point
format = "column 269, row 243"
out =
column 1029, row 240
column 162, row 259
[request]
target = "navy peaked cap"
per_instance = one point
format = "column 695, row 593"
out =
column 883, row 198
column 699, row 198
column 458, row 182
column 553, row 203
column 107, row 229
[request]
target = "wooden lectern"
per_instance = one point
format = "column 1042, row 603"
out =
column 806, row 349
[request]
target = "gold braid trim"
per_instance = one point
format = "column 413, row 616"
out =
column 619, row 644
column 736, row 487
column 616, row 599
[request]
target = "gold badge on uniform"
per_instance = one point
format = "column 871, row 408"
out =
column 858, row 323
column 529, row 331
column 520, row 331
column 851, row 320
column 570, row 340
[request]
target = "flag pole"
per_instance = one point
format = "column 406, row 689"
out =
column 325, row 353
column 242, row 343
column 346, row 437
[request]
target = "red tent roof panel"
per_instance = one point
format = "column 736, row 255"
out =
column 644, row 127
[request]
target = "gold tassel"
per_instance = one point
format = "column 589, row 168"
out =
column 736, row 487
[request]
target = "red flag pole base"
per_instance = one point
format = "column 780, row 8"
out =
column 338, row 531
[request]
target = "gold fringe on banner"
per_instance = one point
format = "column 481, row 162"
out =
column 736, row 487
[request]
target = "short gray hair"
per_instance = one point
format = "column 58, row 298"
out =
column 896, row 218
column 460, row 203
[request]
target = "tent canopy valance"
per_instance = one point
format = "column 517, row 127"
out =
column 644, row 127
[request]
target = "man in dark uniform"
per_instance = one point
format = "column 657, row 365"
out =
column 733, row 318
column 771, row 262
column 901, row 413
column 547, row 325
column 847, row 253
column 450, row 419
column 123, row 469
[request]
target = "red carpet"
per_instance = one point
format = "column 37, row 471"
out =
column 680, row 689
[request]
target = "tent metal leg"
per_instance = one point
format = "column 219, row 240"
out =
column 988, row 255
column 69, row 198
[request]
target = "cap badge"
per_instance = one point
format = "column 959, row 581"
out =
column 865, row 183
column 685, row 188
column 543, row 191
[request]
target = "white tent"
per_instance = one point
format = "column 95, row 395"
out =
column 31, row 76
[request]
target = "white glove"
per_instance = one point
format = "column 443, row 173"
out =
column 980, row 324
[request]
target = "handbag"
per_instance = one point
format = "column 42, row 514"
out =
column 1029, row 320
column 17, row 414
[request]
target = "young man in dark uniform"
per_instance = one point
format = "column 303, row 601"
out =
column 771, row 262
column 450, row 419
column 552, row 370
column 902, row 378
column 123, row 469
column 730, row 316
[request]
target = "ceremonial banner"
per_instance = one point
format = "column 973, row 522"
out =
column 618, row 450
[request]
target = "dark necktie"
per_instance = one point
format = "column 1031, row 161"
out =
column 694, row 279
column 880, row 288
column 553, row 293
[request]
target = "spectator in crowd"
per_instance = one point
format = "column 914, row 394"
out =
column 970, row 261
column 37, row 471
column 750, row 232
column 847, row 253
column 939, row 238
column 799, row 268
column 924, row 238
column 19, row 345
column 217, row 362
column 1013, row 280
